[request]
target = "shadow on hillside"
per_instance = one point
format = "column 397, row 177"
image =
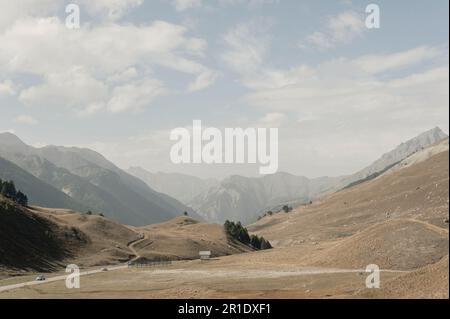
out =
column 28, row 242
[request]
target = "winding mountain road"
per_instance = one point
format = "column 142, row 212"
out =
column 134, row 243
column 83, row 273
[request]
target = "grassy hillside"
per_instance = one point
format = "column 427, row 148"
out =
column 30, row 242
column 398, row 220
column 43, row 239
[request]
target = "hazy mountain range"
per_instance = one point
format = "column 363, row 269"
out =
column 180, row 186
column 245, row 199
column 82, row 179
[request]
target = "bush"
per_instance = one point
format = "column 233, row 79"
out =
column 21, row 198
column 260, row 242
column 8, row 190
column 264, row 244
column 269, row 213
column 240, row 233
column 286, row 209
column 255, row 241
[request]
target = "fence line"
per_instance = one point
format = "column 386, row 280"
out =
column 150, row 264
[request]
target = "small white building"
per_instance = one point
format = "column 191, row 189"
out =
column 205, row 255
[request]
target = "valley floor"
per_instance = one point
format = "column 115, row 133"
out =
column 248, row 275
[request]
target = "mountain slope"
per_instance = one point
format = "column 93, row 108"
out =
column 401, row 152
column 397, row 221
column 39, row 193
column 418, row 192
column 427, row 282
column 43, row 239
column 422, row 155
column 183, row 237
column 400, row 244
column 99, row 184
column 79, row 189
column 180, row 186
column 99, row 171
column 244, row 199
column 29, row 242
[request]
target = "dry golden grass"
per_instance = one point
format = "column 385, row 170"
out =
column 399, row 220
column 396, row 221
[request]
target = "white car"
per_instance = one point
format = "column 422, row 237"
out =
column 40, row 278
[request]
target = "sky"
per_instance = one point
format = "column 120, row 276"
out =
column 339, row 93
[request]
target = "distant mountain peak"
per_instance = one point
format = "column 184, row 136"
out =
column 402, row 151
column 8, row 138
column 424, row 139
column 438, row 129
column 436, row 133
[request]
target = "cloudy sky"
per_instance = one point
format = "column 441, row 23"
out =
column 341, row 94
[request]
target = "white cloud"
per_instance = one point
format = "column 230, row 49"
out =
column 135, row 96
column 11, row 11
column 324, row 97
column 342, row 28
column 39, row 46
column 247, row 45
column 148, row 149
column 123, row 76
column 75, row 89
column 181, row 5
column 111, row 9
column 348, row 95
column 336, row 72
column 248, row 3
column 79, row 91
column 272, row 120
column 80, row 67
column 374, row 64
column 350, row 104
column 337, row 117
column 7, row 88
column 333, row 114
column 204, row 80
column 26, row 120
